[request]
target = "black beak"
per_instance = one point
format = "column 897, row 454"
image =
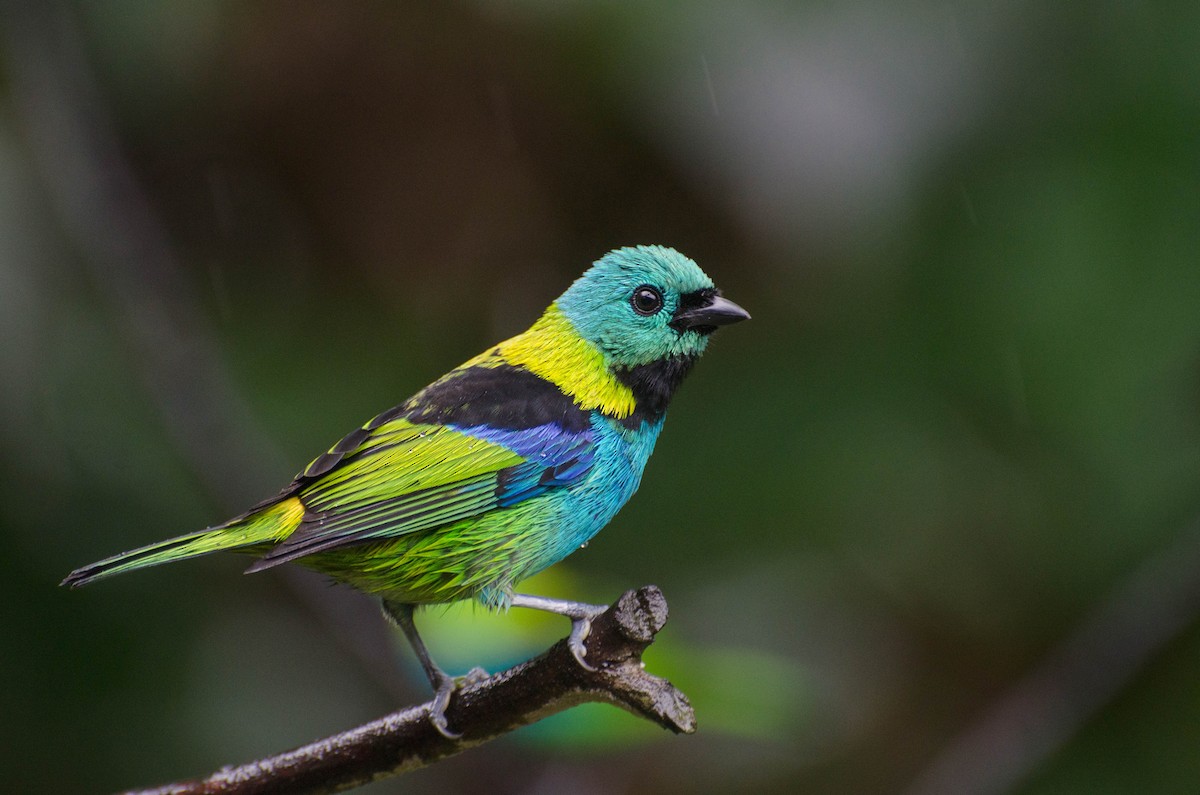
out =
column 705, row 319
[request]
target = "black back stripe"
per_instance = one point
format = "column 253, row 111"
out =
column 502, row 397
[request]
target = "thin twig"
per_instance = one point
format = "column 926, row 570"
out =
column 480, row 711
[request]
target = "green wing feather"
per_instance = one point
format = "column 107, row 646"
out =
column 401, row 459
column 397, row 478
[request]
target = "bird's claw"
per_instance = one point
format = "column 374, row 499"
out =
column 446, row 686
column 581, row 627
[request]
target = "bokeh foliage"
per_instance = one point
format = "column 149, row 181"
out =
column 967, row 409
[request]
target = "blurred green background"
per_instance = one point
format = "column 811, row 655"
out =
column 927, row 524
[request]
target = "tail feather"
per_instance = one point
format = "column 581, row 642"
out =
column 268, row 526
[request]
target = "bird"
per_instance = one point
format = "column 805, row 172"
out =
column 495, row 471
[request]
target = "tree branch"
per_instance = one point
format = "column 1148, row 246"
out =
column 481, row 711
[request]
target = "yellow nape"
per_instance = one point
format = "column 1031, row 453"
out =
column 552, row 349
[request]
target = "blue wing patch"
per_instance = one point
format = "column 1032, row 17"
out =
column 554, row 457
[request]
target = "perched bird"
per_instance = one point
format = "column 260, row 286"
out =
column 498, row 469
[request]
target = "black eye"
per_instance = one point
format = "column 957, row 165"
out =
column 646, row 300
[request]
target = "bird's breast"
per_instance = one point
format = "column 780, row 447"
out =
column 619, row 459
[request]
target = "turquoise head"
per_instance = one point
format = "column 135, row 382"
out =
column 647, row 304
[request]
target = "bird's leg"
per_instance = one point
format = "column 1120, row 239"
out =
column 443, row 684
column 580, row 613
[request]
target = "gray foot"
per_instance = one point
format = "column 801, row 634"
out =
column 581, row 627
column 580, row 613
column 444, row 687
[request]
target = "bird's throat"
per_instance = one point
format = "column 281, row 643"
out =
column 653, row 386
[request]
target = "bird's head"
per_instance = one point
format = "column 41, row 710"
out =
column 647, row 304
